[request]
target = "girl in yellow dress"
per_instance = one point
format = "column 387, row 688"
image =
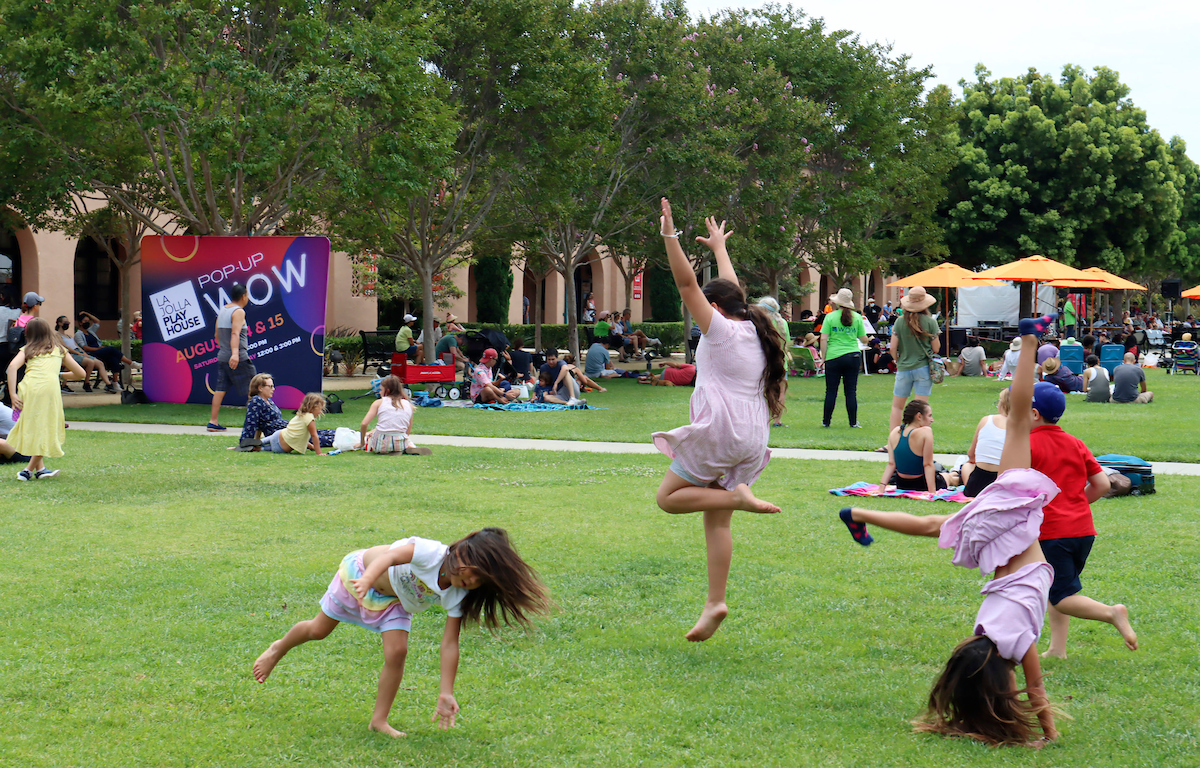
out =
column 41, row 430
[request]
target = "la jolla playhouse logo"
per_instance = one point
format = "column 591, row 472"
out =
column 177, row 310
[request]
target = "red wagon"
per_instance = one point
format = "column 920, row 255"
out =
column 439, row 379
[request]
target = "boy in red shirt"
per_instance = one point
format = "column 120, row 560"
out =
column 1067, row 532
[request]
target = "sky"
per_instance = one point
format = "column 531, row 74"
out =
column 1153, row 44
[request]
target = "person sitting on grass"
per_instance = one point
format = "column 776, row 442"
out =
column 1060, row 376
column 1129, row 382
column 1095, row 381
column 679, row 374
column 544, row 391
column 976, row 695
column 263, row 417
column 300, row 434
column 478, row 579
column 983, row 457
column 519, row 362
column 482, row 388
column 972, row 361
column 598, row 363
column 393, row 432
column 564, row 382
column 585, row 383
column 910, row 452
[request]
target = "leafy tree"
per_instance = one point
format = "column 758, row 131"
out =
column 493, row 281
column 505, row 70
column 1068, row 169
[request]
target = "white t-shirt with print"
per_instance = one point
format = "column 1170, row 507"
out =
column 416, row 582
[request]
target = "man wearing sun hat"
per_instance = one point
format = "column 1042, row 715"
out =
column 914, row 343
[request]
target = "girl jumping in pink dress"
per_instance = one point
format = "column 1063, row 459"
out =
column 739, row 387
column 976, row 695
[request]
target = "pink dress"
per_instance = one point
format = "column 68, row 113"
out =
column 1014, row 607
column 727, row 439
column 1001, row 522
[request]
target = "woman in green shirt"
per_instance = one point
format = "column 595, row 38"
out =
column 841, row 332
column 914, row 343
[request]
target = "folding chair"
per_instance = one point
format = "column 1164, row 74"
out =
column 1185, row 357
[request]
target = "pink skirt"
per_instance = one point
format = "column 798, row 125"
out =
column 377, row 612
column 1001, row 522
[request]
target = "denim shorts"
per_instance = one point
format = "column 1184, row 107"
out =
column 916, row 382
column 274, row 443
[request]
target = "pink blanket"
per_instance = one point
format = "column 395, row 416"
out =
column 862, row 488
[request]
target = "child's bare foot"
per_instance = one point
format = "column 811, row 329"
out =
column 710, row 619
column 744, row 498
column 266, row 662
column 386, row 730
column 1053, row 654
column 1121, row 622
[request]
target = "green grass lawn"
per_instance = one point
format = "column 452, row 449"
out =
column 140, row 585
column 1159, row 431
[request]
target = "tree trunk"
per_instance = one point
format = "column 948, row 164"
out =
column 123, row 270
column 569, row 260
column 688, row 355
column 629, row 287
column 426, row 275
column 773, row 284
column 539, row 298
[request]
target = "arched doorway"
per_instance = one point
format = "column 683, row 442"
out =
column 583, row 286
column 97, row 281
column 10, row 269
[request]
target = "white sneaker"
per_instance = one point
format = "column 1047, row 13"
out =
column 576, row 401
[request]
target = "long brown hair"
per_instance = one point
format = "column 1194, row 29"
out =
column 392, row 387
column 914, row 323
column 510, row 590
column 847, row 316
column 731, row 299
column 975, row 697
column 40, row 339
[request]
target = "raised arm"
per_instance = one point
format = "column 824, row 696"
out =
column 716, row 243
column 447, row 705
column 681, row 270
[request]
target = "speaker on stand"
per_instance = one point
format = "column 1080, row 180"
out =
column 1171, row 291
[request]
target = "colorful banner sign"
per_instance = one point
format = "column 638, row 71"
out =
column 637, row 285
column 186, row 282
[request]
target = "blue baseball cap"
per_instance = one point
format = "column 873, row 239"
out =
column 1049, row 401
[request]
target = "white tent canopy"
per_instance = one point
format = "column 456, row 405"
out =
column 999, row 303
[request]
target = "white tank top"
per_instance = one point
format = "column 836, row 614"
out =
column 990, row 443
column 393, row 419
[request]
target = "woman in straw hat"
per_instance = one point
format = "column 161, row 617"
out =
column 914, row 343
column 841, row 334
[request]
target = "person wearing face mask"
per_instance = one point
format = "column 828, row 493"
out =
column 88, row 363
column 87, row 326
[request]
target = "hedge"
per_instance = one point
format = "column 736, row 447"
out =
column 135, row 347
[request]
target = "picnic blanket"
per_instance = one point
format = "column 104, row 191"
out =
column 863, row 488
column 535, row 407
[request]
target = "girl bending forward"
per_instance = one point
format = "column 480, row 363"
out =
column 479, row 578
column 977, row 695
column 739, row 387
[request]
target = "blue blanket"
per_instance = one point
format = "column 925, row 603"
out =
column 534, row 407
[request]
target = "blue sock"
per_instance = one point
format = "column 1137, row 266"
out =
column 1036, row 326
column 857, row 530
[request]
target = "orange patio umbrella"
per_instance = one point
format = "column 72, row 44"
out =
column 945, row 275
column 1038, row 269
column 1191, row 293
column 1110, row 282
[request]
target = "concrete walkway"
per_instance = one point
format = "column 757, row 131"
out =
column 574, row 446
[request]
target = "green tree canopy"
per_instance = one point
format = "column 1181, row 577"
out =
column 1064, row 168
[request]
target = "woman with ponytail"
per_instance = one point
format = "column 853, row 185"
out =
column 739, row 387
column 841, row 333
column 914, row 343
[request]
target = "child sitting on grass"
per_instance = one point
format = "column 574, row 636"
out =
column 976, row 695
column 301, row 432
column 479, row 578
column 392, row 433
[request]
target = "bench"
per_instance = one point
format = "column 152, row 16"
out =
column 378, row 345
